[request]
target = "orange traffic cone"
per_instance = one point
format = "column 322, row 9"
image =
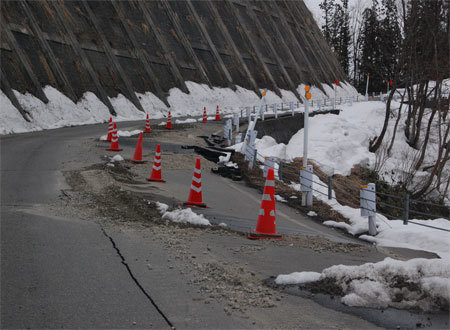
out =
column 195, row 194
column 147, row 125
column 110, row 130
column 137, row 158
column 205, row 119
column 156, row 169
column 266, row 227
column 217, row 114
column 169, row 121
column 114, row 140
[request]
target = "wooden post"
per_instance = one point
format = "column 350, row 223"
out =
column 245, row 29
column 233, row 46
column 80, row 53
column 54, row 64
column 294, row 42
column 112, row 58
column 162, row 43
column 273, row 51
column 6, row 88
column 206, row 36
column 184, row 41
column 139, row 54
column 23, row 60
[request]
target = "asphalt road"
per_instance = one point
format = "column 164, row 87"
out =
column 58, row 272
column 66, row 273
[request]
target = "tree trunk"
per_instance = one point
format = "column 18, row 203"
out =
column 396, row 124
column 374, row 147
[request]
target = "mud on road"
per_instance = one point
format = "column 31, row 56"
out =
column 118, row 198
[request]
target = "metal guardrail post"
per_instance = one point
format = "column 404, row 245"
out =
column 280, row 171
column 330, row 187
column 405, row 209
column 368, row 206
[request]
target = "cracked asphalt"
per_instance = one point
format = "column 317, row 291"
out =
column 64, row 271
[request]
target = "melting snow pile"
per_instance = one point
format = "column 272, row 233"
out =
column 182, row 215
column 122, row 133
column 417, row 283
column 186, row 216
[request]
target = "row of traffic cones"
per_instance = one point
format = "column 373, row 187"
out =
column 205, row 118
column 195, row 194
column 265, row 228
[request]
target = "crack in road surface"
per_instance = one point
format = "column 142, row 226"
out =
column 136, row 280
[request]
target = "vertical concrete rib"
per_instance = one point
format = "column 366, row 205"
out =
column 245, row 29
column 233, row 46
column 162, row 43
column 23, row 60
column 184, row 41
column 280, row 36
column 292, row 10
column 54, row 64
column 6, row 88
column 112, row 58
column 272, row 50
column 293, row 41
column 80, row 53
column 208, row 39
column 139, row 54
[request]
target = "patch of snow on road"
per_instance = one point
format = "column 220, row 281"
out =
column 311, row 214
column 162, row 208
column 186, row 216
column 416, row 283
column 122, row 133
column 297, row 278
column 186, row 121
column 117, row 158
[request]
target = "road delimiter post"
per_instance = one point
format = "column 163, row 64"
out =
column 306, row 184
column 367, row 196
column 291, row 105
column 275, row 108
column 405, row 209
column 330, row 187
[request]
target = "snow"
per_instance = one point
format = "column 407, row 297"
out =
column 297, row 278
column 60, row 111
column 390, row 232
column 350, row 133
column 280, row 198
column 223, row 225
column 378, row 285
column 162, row 208
column 186, row 121
column 225, row 159
column 122, row 133
column 186, row 216
column 311, row 214
column 117, row 158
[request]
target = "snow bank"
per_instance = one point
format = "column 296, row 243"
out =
column 186, row 216
column 390, row 232
column 11, row 121
column 416, row 283
column 341, row 141
column 60, row 111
